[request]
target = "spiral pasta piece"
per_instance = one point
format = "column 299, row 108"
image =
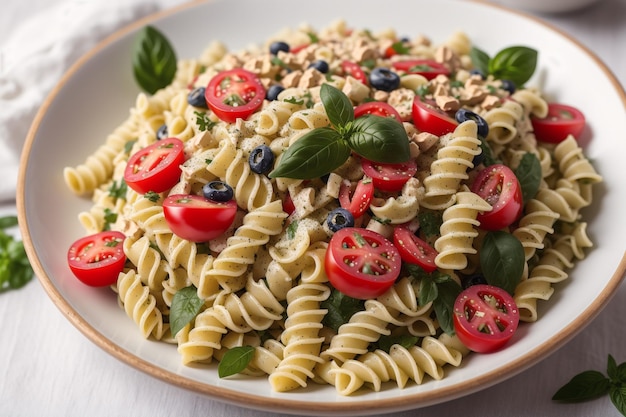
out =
column 534, row 225
column 458, row 231
column 573, row 164
column 140, row 305
column 230, row 266
column 450, row 167
column 502, row 122
column 301, row 336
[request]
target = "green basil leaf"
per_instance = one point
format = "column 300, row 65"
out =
column 444, row 304
column 611, row 368
column 8, row 221
column 489, row 159
column 379, row 139
column 515, row 63
column 185, row 307
column 235, row 360
column 428, row 291
column 317, row 153
column 502, row 260
column 529, row 175
column 340, row 308
column 338, row 107
column 406, row 341
column 430, row 222
column 480, row 59
column 582, row 387
column 617, row 393
column 154, row 60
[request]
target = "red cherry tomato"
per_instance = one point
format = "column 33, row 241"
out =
column 427, row 117
column 562, row 120
column 198, row 219
column 360, row 200
column 498, row 186
column 288, row 206
column 354, row 70
column 428, row 68
column 377, row 108
column 98, row 259
column 361, row 263
column 414, row 250
column 389, row 177
column 234, row 94
column 155, row 167
column 485, row 317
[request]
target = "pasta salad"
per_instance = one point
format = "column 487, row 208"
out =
column 334, row 206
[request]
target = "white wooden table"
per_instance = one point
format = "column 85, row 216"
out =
column 48, row 368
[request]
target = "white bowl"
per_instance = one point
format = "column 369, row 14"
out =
column 548, row 6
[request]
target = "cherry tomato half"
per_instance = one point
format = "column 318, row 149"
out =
column 428, row 68
column 562, row 120
column 155, row 167
column 98, row 259
column 485, row 317
column 414, row 250
column 234, row 94
column 198, row 219
column 354, row 70
column 389, row 177
column 361, row 263
column 499, row 187
column 358, row 202
column 377, row 108
column 427, row 117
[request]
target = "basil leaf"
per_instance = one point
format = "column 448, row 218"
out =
column 480, row 59
column 235, row 360
column 379, row 139
column 428, row 291
column 430, row 222
column 502, row 260
column 185, row 307
column 154, row 60
column 340, row 308
column 515, row 63
column 611, row 368
column 444, row 304
column 8, row 221
column 489, row 159
column 582, row 387
column 338, row 107
column 406, row 341
column 529, row 175
column 617, row 393
column 318, row 152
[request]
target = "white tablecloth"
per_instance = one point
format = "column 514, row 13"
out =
column 48, row 368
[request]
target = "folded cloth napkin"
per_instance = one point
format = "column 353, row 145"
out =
column 34, row 57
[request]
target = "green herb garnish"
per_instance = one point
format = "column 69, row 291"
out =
column 185, row 307
column 589, row 385
column 529, row 175
column 118, row 190
column 340, row 308
column 502, row 260
column 15, row 269
column 515, row 63
column 154, row 60
column 324, row 149
column 110, row 217
column 152, row 196
column 235, row 360
column 203, row 122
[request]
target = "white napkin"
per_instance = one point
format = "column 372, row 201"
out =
column 34, row 57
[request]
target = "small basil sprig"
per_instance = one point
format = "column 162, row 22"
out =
column 589, row 385
column 528, row 173
column 324, row 149
column 502, row 260
column 154, row 60
column 235, row 360
column 185, row 307
column 515, row 63
column 339, row 308
column 15, row 269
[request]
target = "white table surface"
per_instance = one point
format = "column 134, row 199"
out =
column 48, row 368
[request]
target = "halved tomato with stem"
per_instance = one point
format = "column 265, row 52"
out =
column 485, row 317
column 196, row 218
column 156, row 167
column 98, row 259
column 377, row 108
column 562, row 120
column 359, row 201
column 427, row 117
column 428, row 68
column 499, row 187
column 389, row 177
column 234, row 94
column 361, row 263
column 414, row 250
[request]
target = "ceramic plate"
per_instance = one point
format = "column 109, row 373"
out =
column 96, row 94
